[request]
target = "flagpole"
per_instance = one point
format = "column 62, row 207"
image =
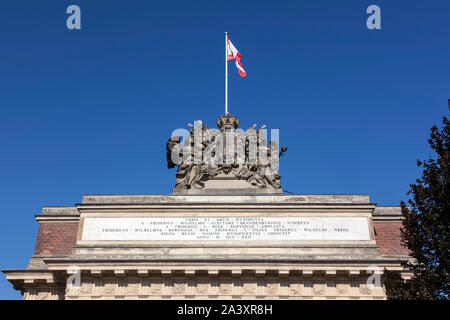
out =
column 226, row 73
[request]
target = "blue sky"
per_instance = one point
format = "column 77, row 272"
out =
column 90, row 111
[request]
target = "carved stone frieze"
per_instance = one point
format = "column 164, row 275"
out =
column 155, row 288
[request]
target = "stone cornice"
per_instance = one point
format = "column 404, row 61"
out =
column 235, row 199
column 57, row 219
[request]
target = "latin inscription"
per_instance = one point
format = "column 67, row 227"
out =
column 227, row 228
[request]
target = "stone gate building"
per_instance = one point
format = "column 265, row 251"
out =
column 226, row 232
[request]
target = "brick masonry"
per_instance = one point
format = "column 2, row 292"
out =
column 56, row 239
column 388, row 238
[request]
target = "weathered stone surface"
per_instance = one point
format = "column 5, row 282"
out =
column 67, row 211
column 387, row 211
column 210, row 199
column 219, row 269
column 227, row 288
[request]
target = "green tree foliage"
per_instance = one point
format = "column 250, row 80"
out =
column 426, row 227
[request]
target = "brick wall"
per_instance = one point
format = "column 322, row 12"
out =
column 388, row 238
column 56, row 239
column 59, row 238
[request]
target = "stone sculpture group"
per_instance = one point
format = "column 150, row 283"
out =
column 205, row 153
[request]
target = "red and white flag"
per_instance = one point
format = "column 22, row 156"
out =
column 233, row 54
